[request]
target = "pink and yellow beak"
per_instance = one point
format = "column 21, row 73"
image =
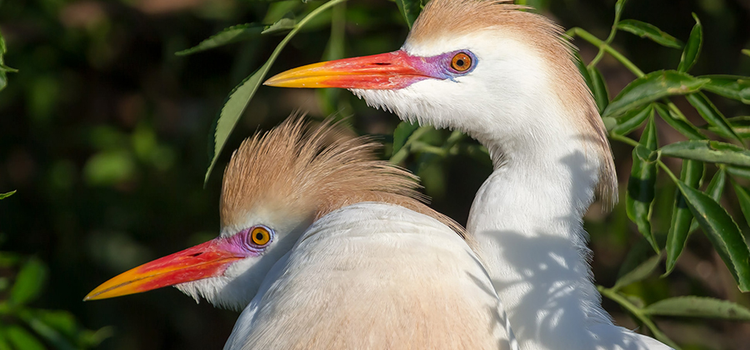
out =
column 387, row 71
column 202, row 261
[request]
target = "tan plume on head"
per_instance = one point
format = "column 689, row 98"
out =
column 452, row 18
column 310, row 171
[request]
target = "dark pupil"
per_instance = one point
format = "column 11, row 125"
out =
column 460, row 63
column 259, row 236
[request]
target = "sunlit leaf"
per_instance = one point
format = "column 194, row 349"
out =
column 679, row 228
column 731, row 86
column 723, row 233
column 402, row 133
column 22, row 339
column 599, row 88
column 229, row 35
column 651, row 87
column 640, row 195
column 711, row 114
column 630, row 121
column 693, row 47
column 650, row 31
column 7, row 194
column 281, row 26
column 410, row 10
column 240, row 96
column 746, row 52
column 682, row 126
column 708, row 151
column 714, row 190
column 29, row 282
column 692, row 306
column 640, row 272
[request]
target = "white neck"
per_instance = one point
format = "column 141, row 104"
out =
column 526, row 219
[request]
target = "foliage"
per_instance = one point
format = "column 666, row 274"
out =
column 635, row 105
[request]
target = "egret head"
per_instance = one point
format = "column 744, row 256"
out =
column 485, row 67
column 274, row 188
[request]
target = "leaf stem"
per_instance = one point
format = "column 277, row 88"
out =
column 637, row 312
column 611, row 37
column 583, row 34
column 405, row 149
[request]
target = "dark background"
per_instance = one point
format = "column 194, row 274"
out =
column 104, row 134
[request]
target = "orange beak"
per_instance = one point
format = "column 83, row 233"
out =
column 202, row 261
column 393, row 70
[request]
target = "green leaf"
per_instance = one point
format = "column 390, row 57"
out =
column 714, row 190
column 682, row 126
column 723, row 233
column 691, row 174
column 7, row 194
column 231, row 112
column 281, row 26
column 652, row 87
column 640, row 195
column 29, row 282
column 599, row 88
column 746, row 52
column 708, row 151
column 229, row 35
column 3, row 68
column 240, row 96
column 45, row 331
column 4, row 344
column 744, row 199
column 739, row 171
column 693, row 47
column 631, row 120
column 650, row 31
column 410, row 9
column 22, row 339
column 740, row 125
column 584, row 71
column 711, row 114
column 640, row 272
column 692, row 306
column 401, row 134
column 735, row 87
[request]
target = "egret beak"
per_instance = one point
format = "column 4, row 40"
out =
column 392, row 70
column 202, row 261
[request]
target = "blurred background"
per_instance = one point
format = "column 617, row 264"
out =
column 104, row 133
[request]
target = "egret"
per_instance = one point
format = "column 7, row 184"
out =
column 507, row 78
column 327, row 248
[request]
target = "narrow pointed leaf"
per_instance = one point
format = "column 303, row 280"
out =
column 240, row 96
column 652, row 87
column 639, row 273
column 692, row 48
column 711, row 114
column 29, row 282
column 746, row 52
column 744, row 199
column 281, row 26
column 730, row 86
column 650, row 31
column 3, row 68
column 601, row 95
column 229, row 35
column 233, row 108
column 714, row 190
column 723, row 233
column 692, row 306
column 401, row 134
column 7, row 194
column 740, row 125
column 640, row 195
column 682, row 126
column 410, row 9
column 631, row 120
column 691, row 174
column 584, row 71
column 708, row 151
column 739, row 171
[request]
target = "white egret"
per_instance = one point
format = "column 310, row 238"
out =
column 507, row 78
column 318, row 246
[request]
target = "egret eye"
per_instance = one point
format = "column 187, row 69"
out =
column 260, row 236
column 461, row 62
